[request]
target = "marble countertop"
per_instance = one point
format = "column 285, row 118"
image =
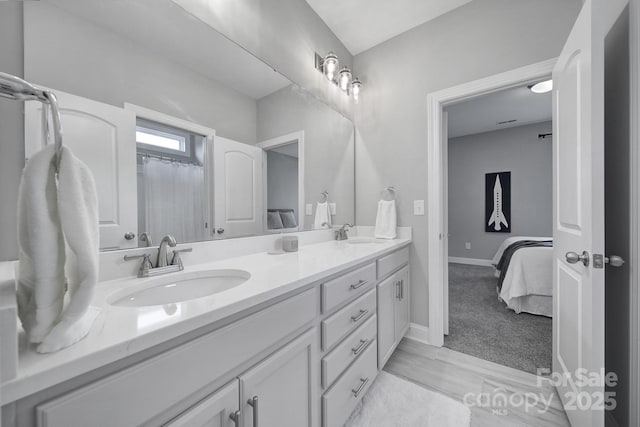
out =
column 119, row 332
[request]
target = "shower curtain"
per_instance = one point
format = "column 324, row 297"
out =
column 174, row 200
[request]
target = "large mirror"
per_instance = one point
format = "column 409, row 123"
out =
column 186, row 132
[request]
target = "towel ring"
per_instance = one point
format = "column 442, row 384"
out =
column 15, row 88
column 389, row 190
column 325, row 194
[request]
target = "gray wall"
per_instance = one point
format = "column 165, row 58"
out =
column 282, row 182
column 480, row 39
column 617, row 214
column 11, row 123
column 529, row 160
column 328, row 146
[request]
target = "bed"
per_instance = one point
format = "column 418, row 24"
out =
column 524, row 268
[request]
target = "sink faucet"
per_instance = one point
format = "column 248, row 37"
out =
column 167, row 240
column 342, row 233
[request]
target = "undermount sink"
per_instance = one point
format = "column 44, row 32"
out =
column 361, row 240
column 178, row 288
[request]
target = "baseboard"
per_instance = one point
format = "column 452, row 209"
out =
column 471, row 261
column 418, row 333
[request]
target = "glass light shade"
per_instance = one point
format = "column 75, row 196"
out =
column 330, row 65
column 356, row 85
column 542, row 87
column 344, row 81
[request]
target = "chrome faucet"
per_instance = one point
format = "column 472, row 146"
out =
column 342, row 233
column 163, row 259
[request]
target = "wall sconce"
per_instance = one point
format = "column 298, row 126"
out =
column 328, row 65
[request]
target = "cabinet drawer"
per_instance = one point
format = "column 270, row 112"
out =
column 392, row 262
column 172, row 377
column 342, row 398
column 348, row 319
column 347, row 351
column 343, row 288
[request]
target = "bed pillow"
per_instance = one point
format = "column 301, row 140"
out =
column 288, row 219
column 274, row 222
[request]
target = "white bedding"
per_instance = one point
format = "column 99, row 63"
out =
column 528, row 282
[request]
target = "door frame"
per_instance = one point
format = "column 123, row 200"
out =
column 436, row 178
column 269, row 144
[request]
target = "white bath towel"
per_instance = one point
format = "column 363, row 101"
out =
column 51, row 215
column 323, row 216
column 386, row 220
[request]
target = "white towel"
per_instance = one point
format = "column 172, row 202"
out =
column 323, row 216
column 386, row 220
column 50, row 216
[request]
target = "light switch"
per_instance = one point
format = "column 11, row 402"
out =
column 308, row 209
column 418, row 207
column 467, row 245
column 332, row 208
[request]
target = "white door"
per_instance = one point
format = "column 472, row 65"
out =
column 280, row 391
column 402, row 304
column 218, row 410
column 237, row 180
column 578, row 121
column 103, row 137
column 387, row 293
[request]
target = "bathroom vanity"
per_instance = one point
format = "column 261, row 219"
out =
column 297, row 344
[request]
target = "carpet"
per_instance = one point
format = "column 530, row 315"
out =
column 482, row 326
column 394, row 402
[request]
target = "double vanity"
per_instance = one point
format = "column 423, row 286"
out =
column 294, row 339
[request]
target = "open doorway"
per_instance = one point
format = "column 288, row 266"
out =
column 499, row 197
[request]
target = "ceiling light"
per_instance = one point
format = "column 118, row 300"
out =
column 345, row 79
column 330, row 65
column 355, row 89
column 542, row 87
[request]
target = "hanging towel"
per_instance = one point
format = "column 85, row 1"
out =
column 58, row 237
column 323, row 216
column 386, row 220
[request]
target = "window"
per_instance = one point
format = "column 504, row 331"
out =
column 165, row 140
column 160, row 139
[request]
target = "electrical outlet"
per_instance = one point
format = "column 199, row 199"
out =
column 332, row 208
column 467, row 245
column 418, row 207
column 308, row 209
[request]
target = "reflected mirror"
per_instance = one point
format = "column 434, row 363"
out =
column 186, row 132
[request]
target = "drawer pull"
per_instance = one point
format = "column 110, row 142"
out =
column 253, row 402
column 357, row 391
column 402, row 289
column 398, row 290
column 363, row 313
column 235, row 417
column 358, row 349
column 359, row 284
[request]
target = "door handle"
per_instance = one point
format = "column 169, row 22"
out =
column 573, row 258
column 398, row 290
column 614, row 261
column 253, row 402
column 220, row 230
column 235, row 417
column 130, row 235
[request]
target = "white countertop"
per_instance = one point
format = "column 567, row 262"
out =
column 119, row 332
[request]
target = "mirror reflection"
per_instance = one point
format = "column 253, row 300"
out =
column 186, row 133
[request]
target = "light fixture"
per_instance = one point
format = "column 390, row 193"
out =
column 344, row 80
column 542, row 87
column 330, row 65
column 355, row 89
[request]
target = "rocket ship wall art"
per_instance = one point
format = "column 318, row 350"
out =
column 498, row 202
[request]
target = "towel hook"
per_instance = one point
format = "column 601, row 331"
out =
column 391, row 190
column 15, row 88
column 325, row 194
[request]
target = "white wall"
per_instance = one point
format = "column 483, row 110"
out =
column 482, row 38
column 516, row 150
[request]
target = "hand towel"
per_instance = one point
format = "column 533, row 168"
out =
column 386, row 220
column 323, row 216
column 58, row 236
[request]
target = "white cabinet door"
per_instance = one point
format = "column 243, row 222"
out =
column 103, row 137
column 218, row 410
column 386, row 319
column 281, row 391
column 237, row 176
column 401, row 304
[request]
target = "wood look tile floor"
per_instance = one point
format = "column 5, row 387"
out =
column 500, row 390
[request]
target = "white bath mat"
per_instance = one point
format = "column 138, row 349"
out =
column 394, row 402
